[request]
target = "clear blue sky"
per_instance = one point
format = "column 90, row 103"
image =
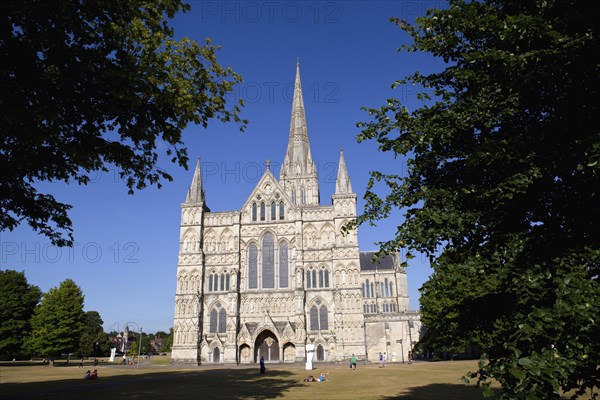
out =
column 125, row 259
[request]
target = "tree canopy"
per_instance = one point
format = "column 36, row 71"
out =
column 58, row 322
column 87, row 85
column 502, row 188
column 17, row 303
column 93, row 333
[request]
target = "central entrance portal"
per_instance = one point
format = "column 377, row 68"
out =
column 267, row 346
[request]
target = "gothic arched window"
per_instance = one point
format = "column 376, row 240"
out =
column 294, row 196
column 252, row 267
column 281, row 210
column 321, row 278
column 213, row 321
column 273, row 211
column 218, row 319
column 314, row 318
column 303, row 196
column 268, row 262
column 283, row 266
column 319, row 319
column 308, row 280
column 262, row 211
column 253, row 211
column 222, row 321
column 323, row 318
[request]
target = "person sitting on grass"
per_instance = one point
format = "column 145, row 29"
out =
column 310, row 378
column 87, row 375
column 94, row 374
column 322, row 377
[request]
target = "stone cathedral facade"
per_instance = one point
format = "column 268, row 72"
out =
column 279, row 273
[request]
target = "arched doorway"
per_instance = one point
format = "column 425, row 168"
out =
column 289, row 352
column 216, row 356
column 320, row 353
column 267, row 346
column 245, row 353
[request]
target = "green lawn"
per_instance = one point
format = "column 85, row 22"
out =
column 423, row 381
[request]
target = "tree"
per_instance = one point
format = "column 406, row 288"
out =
column 87, row 85
column 58, row 322
column 502, row 188
column 167, row 341
column 17, row 303
column 134, row 349
column 162, row 341
column 93, row 333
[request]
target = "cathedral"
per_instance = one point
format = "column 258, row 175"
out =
column 280, row 274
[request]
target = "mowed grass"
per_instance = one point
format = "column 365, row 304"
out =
column 421, row 380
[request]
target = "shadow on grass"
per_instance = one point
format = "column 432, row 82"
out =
column 437, row 391
column 193, row 384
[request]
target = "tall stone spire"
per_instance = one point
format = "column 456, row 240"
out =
column 195, row 193
column 342, row 183
column 298, row 173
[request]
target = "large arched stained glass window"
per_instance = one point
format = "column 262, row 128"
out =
column 319, row 319
column 252, row 267
column 283, row 265
column 314, row 318
column 268, row 262
column 222, row 321
column 218, row 319
column 323, row 318
column 213, row 321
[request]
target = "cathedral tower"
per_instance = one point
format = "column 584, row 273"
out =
column 190, row 272
column 298, row 174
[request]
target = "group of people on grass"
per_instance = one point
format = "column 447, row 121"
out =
column 321, row 378
column 90, row 376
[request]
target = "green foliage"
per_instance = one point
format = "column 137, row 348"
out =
column 17, row 302
column 58, row 322
column 87, row 85
column 502, row 189
column 93, row 333
column 167, row 341
column 134, row 348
